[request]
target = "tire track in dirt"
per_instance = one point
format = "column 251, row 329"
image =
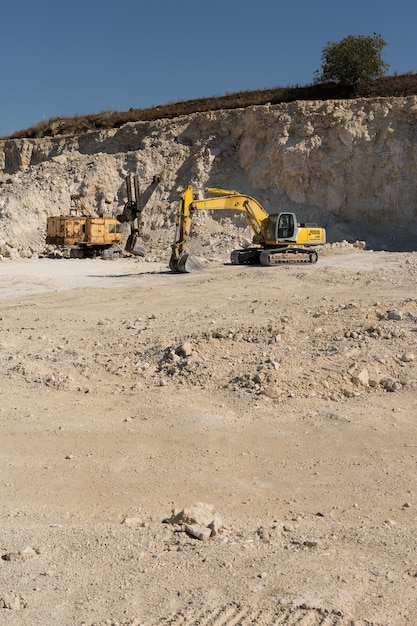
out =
column 236, row 615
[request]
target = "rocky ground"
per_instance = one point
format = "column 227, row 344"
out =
column 235, row 446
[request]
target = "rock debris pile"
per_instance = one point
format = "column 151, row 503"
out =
column 333, row 350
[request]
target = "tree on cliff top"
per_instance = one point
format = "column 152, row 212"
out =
column 352, row 60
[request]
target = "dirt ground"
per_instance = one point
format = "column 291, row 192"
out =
column 281, row 402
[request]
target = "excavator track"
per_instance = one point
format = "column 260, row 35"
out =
column 249, row 256
column 292, row 256
column 274, row 256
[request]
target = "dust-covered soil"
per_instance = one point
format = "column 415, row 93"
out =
column 234, row 446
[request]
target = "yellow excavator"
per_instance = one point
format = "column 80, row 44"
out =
column 278, row 237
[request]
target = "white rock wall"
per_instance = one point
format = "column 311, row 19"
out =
column 348, row 165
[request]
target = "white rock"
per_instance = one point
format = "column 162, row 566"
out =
column 185, row 349
column 21, row 555
column 201, row 514
column 199, row 532
column 132, row 521
column 360, row 376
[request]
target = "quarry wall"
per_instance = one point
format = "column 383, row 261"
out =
column 349, row 165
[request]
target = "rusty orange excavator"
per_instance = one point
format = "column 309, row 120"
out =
column 83, row 233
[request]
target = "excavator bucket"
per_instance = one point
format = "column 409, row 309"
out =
column 186, row 264
column 134, row 246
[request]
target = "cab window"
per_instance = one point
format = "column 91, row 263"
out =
column 115, row 228
column 285, row 226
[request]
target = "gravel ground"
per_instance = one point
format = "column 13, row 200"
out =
column 235, row 446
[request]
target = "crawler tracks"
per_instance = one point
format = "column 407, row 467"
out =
column 274, row 256
column 289, row 256
column 187, row 263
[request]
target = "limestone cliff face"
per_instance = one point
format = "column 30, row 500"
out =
column 349, row 165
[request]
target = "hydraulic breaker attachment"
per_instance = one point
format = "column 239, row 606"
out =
column 132, row 213
column 134, row 209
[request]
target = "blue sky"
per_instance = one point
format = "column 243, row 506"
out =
column 61, row 59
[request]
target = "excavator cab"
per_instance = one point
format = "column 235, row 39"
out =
column 286, row 226
column 280, row 227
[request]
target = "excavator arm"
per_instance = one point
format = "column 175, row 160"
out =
column 183, row 223
column 132, row 212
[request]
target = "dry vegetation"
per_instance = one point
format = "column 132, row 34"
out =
column 403, row 85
